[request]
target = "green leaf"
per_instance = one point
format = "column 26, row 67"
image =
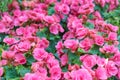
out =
column 15, row 79
column 91, row 16
column 43, row 33
column 80, row 50
column 51, row 10
column 2, row 36
column 89, row 25
column 30, row 60
column 22, row 70
column 73, row 58
column 10, row 72
column 94, row 50
column 113, row 78
column 64, row 68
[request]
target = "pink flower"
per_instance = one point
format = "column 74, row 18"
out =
column 3, row 62
column 3, row 28
column 42, row 43
column 112, row 36
column 35, row 66
column 86, row 44
column 68, row 35
column 109, row 49
column 55, row 73
column 51, row 61
column 81, row 74
column 9, row 41
column 55, row 28
column 101, row 73
column 8, row 54
column 34, row 76
column 20, row 59
column 59, row 46
column 49, row 19
column 64, row 59
column 81, row 33
column 99, row 40
column 65, row 9
column 118, row 75
column 71, row 44
column 88, row 60
column 20, row 31
column 39, row 54
column 1, row 71
column 67, row 75
column 24, row 46
column 116, row 59
column 100, row 61
column 111, row 69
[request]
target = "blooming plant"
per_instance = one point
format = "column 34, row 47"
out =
column 60, row 40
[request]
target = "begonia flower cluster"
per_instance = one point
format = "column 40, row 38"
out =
column 66, row 19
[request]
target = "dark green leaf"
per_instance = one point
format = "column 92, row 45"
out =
column 73, row 58
column 94, row 50
column 89, row 25
column 51, row 10
column 10, row 72
column 22, row 70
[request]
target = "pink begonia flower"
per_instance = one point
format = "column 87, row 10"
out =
column 39, row 54
column 3, row 62
column 75, row 24
column 24, row 46
column 86, row 44
column 101, row 73
column 55, row 73
column 88, row 60
column 81, row 33
column 7, row 19
column 20, row 59
column 73, row 67
column 112, row 36
column 1, row 71
column 22, row 18
column 50, row 1
column 116, row 59
column 112, row 28
column 64, row 59
column 55, row 28
column 71, row 44
column 100, row 61
column 20, row 31
column 17, row 13
column 97, row 15
column 65, row 9
column 99, row 40
column 42, row 43
column 10, row 41
column 111, row 69
column 109, row 49
column 118, row 74
column 3, row 28
column 8, row 54
column 38, row 67
column 81, row 74
column 49, row 19
column 51, row 61
column 68, row 35
column 34, row 76
column 67, row 75
column 101, row 2
column 59, row 46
